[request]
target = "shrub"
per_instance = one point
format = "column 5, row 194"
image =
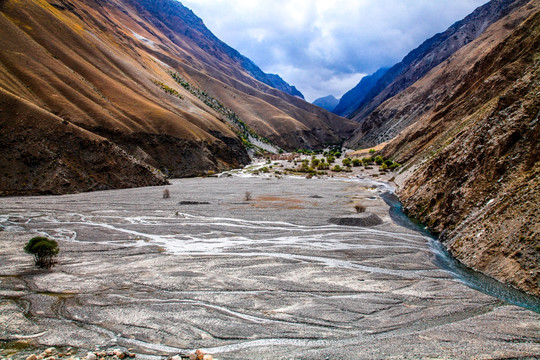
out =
column 265, row 169
column 166, row 194
column 356, row 162
column 315, row 162
column 367, row 161
column 323, row 166
column 330, row 159
column 379, row 160
column 372, row 151
column 359, row 208
column 337, row 154
column 346, row 162
column 336, row 168
column 44, row 251
column 247, row 196
column 388, row 163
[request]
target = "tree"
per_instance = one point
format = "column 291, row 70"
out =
column 44, row 251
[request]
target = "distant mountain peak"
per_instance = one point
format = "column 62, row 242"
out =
column 327, row 102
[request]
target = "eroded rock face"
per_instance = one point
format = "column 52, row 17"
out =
column 476, row 163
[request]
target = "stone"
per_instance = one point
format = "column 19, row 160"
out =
column 91, row 356
column 192, row 356
column 176, row 357
column 49, row 351
column 200, row 354
column 32, row 357
column 131, row 355
column 208, row 357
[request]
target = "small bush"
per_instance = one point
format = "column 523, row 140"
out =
column 44, row 251
column 379, row 160
column 346, row 162
column 359, row 208
column 356, row 162
column 336, row 168
column 372, row 151
column 330, row 159
column 247, row 196
column 166, row 194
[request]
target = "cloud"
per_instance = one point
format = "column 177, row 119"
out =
column 324, row 47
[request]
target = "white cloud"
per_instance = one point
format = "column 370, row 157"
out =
column 322, row 47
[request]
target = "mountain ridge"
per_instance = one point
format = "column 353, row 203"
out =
column 428, row 55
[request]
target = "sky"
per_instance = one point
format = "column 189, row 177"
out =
column 325, row 47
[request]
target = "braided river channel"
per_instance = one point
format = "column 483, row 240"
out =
column 272, row 277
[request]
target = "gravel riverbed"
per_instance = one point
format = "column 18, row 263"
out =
column 268, row 278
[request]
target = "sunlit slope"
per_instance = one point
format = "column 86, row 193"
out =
column 106, row 67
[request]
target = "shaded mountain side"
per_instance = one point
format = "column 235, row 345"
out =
column 45, row 154
column 424, row 97
column 474, row 162
column 327, row 102
column 352, row 99
column 182, row 21
column 431, row 53
column 106, row 68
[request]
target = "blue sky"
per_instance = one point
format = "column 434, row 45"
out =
column 325, row 47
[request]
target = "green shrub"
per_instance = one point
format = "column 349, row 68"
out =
column 323, row 166
column 372, row 151
column 379, row 160
column 356, row 162
column 330, row 159
column 346, row 162
column 336, row 168
column 44, row 251
column 315, row 162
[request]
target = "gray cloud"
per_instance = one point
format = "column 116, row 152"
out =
column 324, row 47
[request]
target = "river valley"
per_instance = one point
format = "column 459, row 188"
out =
column 269, row 278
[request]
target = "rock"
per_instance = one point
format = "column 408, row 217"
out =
column 131, row 355
column 176, row 357
column 192, row 356
column 49, row 351
column 200, row 354
column 91, row 356
column 32, row 357
column 208, row 357
column 365, row 219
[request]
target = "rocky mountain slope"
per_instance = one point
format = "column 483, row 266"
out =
column 472, row 158
column 328, row 102
column 414, row 66
column 143, row 88
column 353, row 98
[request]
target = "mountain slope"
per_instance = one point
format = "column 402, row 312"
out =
column 431, row 53
column 473, row 156
column 353, row 98
column 328, row 102
column 106, row 68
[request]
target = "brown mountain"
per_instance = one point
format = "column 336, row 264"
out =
column 110, row 94
column 472, row 153
column 383, row 123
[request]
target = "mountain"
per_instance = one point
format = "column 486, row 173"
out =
column 328, row 102
column 182, row 20
column 354, row 97
column 471, row 151
column 119, row 93
column 419, row 62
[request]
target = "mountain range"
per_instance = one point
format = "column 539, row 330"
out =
column 122, row 93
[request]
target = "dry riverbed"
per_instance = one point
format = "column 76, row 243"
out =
column 268, row 278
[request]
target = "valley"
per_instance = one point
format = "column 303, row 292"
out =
column 270, row 277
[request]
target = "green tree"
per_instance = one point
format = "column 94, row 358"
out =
column 44, row 251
